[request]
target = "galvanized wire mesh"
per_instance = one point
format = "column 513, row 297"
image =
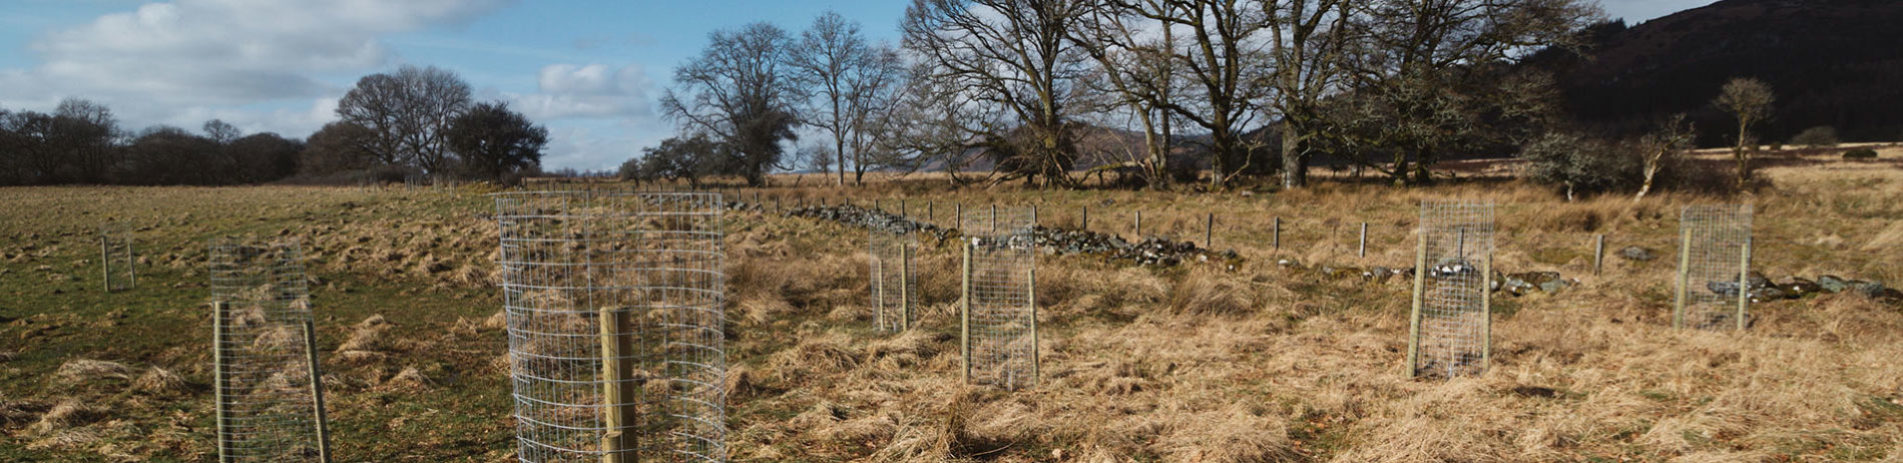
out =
column 1715, row 239
column 1000, row 319
column 1452, row 320
column 893, row 282
column 615, row 305
column 116, row 258
column 267, row 400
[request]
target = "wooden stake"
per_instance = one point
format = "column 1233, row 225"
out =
column 1209, row 231
column 317, row 392
column 964, row 316
column 878, row 293
column 105, row 262
column 1030, row 276
column 1598, row 254
column 1139, row 225
column 905, row 287
column 1744, row 282
column 1414, row 317
column 1363, row 250
column 1486, row 311
column 221, row 379
column 1276, row 234
column 1085, row 225
column 1684, row 264
column 618, row 411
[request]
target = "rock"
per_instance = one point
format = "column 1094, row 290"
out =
column 1723, row 288
column 1756, row 280
column 1869, row 289
column 1554, row 285
column 1288, row 262
column 1636, row 253
column 1377, row 274
column 1799, row 287
column 1832, row 283
column 1769, row 294
column 1891, row 296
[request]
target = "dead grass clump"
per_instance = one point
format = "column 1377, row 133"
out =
column 409, row 379
column 1232, row 435
column 817, row 355
column 69, row 413
column 159, row 381
column 496, row 322
column 368, row 335
column 79, row 372
column 1211, row 293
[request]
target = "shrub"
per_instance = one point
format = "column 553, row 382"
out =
column 1816, row 137
column 1861, row 153
column 1579, row 164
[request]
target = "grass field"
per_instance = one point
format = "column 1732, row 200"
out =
column 1192, row 363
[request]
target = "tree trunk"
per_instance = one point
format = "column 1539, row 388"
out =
column 1744, row 168
column 1294, row 164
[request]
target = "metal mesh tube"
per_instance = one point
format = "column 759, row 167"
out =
column 265, row 391
column 894, row 287
column 117, row 259
column 1713, row 293
column 615, row 302
column 1001, row 316
column 1451, row 321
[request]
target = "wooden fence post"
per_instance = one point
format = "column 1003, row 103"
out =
column 1598, row 253
column 1362, row 251
column 618, row 411
column 1684, row 262
column 317, row 392
column 1275, row 239
column 221, row 379
column 964, row 316
column 1209, row 231
column 1486, row 310
column 1414, row 315
column 1744, row 282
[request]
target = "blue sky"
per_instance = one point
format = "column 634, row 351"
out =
column 589, row 70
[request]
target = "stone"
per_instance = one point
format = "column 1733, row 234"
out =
column 1870, row 289
column 1799, row 287
column 1636, row 253
column 1756, row 280
column 1832, row 283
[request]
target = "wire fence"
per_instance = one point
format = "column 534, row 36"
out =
column 1451, row 324
column 268, row 392
column 615, row 302
column 1715, row 256
column 894, row 286
column 117, row 260
column 1000, row 312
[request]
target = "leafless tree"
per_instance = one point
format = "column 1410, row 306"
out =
column 1225, row 65
column 1307, row 39
column 1660, row 147
column 853, row 84
column 410, row 113
column 222, row 132
column 1749, row 101
column 1135, row 58
column 736, row 92
column 1015, row 54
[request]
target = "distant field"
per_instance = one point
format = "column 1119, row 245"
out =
column 1189, row 363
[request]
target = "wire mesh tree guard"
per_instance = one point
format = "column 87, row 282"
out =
column 1451, row 325
column 999, row 304
column 268, row 387
column 894, row 287
column 1714, row 267
column 116, row 258
column 615, row 302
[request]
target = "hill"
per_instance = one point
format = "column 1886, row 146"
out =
column 1831, row 62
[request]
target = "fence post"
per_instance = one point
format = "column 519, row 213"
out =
column 905, row 287
column 105, row 261
column 1598, row 253
column 903, row 213
column 1486, row 310
column 964, row 316
column 1276, row 234
column 931, row 211
column 1209, row 231
column 1362, row 251
column 1030, row 276
column 1744, row 282
column 1684, row 261
column 958, row 219
column 221, row 380
column 1086, row 217
column 317, row 392
column 1139, row 226
column 878, row 290
column 618, row 400
column 1414, row 315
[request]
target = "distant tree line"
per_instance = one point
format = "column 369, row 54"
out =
column 416, row 122
column 1221, row 91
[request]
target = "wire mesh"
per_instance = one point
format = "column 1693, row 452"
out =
column 266, row 396
column 1457, row 242
column 615, row 302
column 894, row 286
column 1001, row 315
column 1715, row 239
column 116, row 258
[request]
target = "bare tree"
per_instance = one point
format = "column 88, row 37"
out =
column 736, row 92
column 410, row 112
column 853, row 84
column 1422, row 67
column 1749, row 101
column 1015, row 54
column 1307, row 39
column 222, row 132
column 1136, row 61
column 496, row 143
column 1225, row 66
column 1660, row 147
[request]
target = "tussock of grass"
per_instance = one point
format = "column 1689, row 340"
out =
column 87, row 372
column 160, row 381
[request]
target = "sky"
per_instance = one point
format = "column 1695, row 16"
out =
column 591, row 71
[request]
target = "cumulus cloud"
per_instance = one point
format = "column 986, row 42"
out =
column 171, row 59
column 589, row 91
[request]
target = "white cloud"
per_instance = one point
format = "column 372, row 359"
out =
column 589, row 91
column 173, row 62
